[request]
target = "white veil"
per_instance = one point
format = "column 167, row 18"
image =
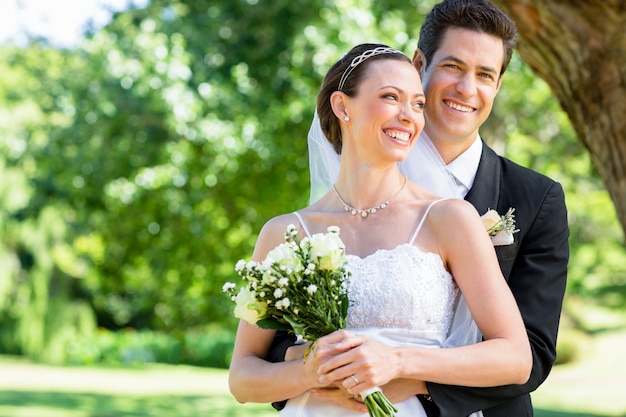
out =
column 423, row 166
column 323, row 161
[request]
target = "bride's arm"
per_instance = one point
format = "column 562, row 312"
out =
column 251, row 377
column 503, row 358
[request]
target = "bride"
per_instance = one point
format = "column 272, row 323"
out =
column 410, row 253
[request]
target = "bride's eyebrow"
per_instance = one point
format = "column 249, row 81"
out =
column 399, row 90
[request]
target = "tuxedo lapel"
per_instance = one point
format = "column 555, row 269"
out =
column 485, row 192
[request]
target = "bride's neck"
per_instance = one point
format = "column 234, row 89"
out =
column 369, row 188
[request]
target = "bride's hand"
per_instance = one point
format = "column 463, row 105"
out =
column 320, row 352
column 364, row 364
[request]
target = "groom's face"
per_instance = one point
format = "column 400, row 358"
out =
column 460, row 83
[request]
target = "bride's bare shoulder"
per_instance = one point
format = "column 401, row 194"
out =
column 278, row 225
column 454, row 214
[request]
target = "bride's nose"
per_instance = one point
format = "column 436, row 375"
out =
column 407, row 113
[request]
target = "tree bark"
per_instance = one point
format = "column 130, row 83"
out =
column 579, row 49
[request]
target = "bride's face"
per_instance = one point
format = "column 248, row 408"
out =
column 386, row 115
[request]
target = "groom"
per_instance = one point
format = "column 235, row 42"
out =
column 463, row 51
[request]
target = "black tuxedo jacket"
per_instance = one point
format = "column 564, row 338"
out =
column 535, row 267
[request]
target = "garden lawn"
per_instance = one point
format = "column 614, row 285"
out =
column 595, row 386
column 31, row 390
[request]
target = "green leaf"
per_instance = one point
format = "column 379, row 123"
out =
column 270, row 323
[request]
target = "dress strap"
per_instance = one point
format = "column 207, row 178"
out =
column 419, row 226
column 306, row 230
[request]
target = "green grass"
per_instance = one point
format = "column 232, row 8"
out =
column 592, row 387
column 31, row 390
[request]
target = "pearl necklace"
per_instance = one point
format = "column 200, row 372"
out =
column 354, row 211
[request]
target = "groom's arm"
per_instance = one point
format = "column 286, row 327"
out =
column 537, row 280
column 282, row 341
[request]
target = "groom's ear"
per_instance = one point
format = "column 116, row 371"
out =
column 339, row 103
column 419, row 60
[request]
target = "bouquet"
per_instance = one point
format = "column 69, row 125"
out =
column 301, row 287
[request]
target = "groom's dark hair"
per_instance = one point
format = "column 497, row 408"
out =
column 476, row 15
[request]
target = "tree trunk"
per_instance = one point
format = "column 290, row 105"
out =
column 579, row 49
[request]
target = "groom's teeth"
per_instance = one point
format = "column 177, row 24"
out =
column 403, row 136
column 459, row 107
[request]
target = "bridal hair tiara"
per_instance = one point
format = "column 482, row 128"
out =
column 365, row 55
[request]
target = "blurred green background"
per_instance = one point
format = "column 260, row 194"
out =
column 137, row 167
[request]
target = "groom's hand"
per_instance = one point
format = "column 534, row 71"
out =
column 340, row 396
column 401, row 389
column 324, row 348
column 296, row 352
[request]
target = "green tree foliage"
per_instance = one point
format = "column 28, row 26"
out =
column 139, row 167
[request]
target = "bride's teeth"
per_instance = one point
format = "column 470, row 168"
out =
column 403, row 136
column 459, row 107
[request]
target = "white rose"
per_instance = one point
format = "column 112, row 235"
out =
column 490, row 219
column 285, row 256
column 247, row 307
column 328, row 249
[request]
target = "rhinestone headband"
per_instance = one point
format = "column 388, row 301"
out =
column 365, row 55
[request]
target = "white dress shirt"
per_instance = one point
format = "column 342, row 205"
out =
column 425, row 167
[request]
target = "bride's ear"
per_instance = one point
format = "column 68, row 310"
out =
column 338, row 102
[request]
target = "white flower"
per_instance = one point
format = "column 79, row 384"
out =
column 228, row 286
column 285, row 257
column 333, row 229
column 284, row 303
column 283, row 282
column 292, row 231
column 240, row 265
column 328, row 250
column 278, row 293
column 491, row 219
column 500, row 227
column 247, row 307
column 311, row 289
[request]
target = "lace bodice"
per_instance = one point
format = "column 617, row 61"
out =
column 404, row 289
column 401, row 297
column 400, row 288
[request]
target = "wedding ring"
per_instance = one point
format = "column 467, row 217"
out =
column 355, row 380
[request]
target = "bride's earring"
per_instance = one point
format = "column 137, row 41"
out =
column 347, row 119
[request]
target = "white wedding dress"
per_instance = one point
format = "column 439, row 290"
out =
column 402, row 296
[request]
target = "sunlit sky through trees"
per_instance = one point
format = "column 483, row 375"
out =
column 61, row 21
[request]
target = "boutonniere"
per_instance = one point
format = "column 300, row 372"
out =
column 500, row 227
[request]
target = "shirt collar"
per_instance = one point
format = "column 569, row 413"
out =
column 464, row 167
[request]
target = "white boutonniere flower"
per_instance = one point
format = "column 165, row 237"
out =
column 500, row 227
